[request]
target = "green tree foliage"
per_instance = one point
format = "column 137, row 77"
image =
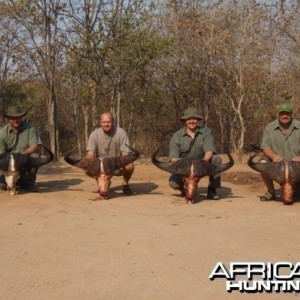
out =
column 148, row 61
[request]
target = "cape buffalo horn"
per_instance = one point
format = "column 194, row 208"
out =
column 223, row 167
column 179, row 167
column 294, row 171
column 183, row 166
column 72, row 160
column 273, row 170
column 92, row 166
column 42, row 160
column 111, row 164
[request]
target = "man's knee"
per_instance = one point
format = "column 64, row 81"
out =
column 128, row 168
column 174, row 185
column 175, row 182
column 216, row 159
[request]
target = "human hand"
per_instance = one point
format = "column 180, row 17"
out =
column 277, row 158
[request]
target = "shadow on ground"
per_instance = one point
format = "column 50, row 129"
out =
column 137, row 188
column 59, row 185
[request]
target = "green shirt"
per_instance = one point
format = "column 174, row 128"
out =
column 287, row 146
column 12, row 142
column 183, row 145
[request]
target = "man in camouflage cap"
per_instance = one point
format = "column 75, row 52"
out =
column 280, row 142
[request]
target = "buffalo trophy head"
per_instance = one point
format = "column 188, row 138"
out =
column 14, row 164
column 192, row 170
column 286, row 174
column 102, row 168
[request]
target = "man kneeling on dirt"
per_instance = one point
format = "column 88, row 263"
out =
column 19, row 137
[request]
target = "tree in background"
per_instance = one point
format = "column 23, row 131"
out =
column 111, row 47
column 233, row 60
column 39, row 40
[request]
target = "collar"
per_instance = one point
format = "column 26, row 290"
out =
column 10, row 128
column 292, row 125
column 110, row 133
column 184, row 131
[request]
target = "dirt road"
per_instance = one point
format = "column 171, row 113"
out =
column 62, row 244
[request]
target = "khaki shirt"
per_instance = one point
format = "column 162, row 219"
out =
column 183, row 145
column 112, row 144
column 287, row 146
column 11, row 142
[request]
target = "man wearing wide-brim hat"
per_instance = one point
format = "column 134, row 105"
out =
column 14, row 112
column 19, row 137
column 191, row 113
column 194, row 140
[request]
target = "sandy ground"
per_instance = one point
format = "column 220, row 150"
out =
column 62, row 244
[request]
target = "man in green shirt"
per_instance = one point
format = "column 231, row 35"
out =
column 281, row 141
column 194, row 140
column 19, row 137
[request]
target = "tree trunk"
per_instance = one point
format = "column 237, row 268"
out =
column 85, row 111
column 53, row 130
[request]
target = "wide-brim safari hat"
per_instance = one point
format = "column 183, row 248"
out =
column 14, row 111
column 190, row 113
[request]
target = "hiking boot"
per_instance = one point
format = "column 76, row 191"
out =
column 268, row 196
column 212, row 193
column 127, row 190
column 3, row 186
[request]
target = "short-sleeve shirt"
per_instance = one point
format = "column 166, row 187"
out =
column 111, row 144
column 12, row 142
column 183, row 145
column 287, row 146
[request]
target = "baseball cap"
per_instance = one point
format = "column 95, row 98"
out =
column 285, row 107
